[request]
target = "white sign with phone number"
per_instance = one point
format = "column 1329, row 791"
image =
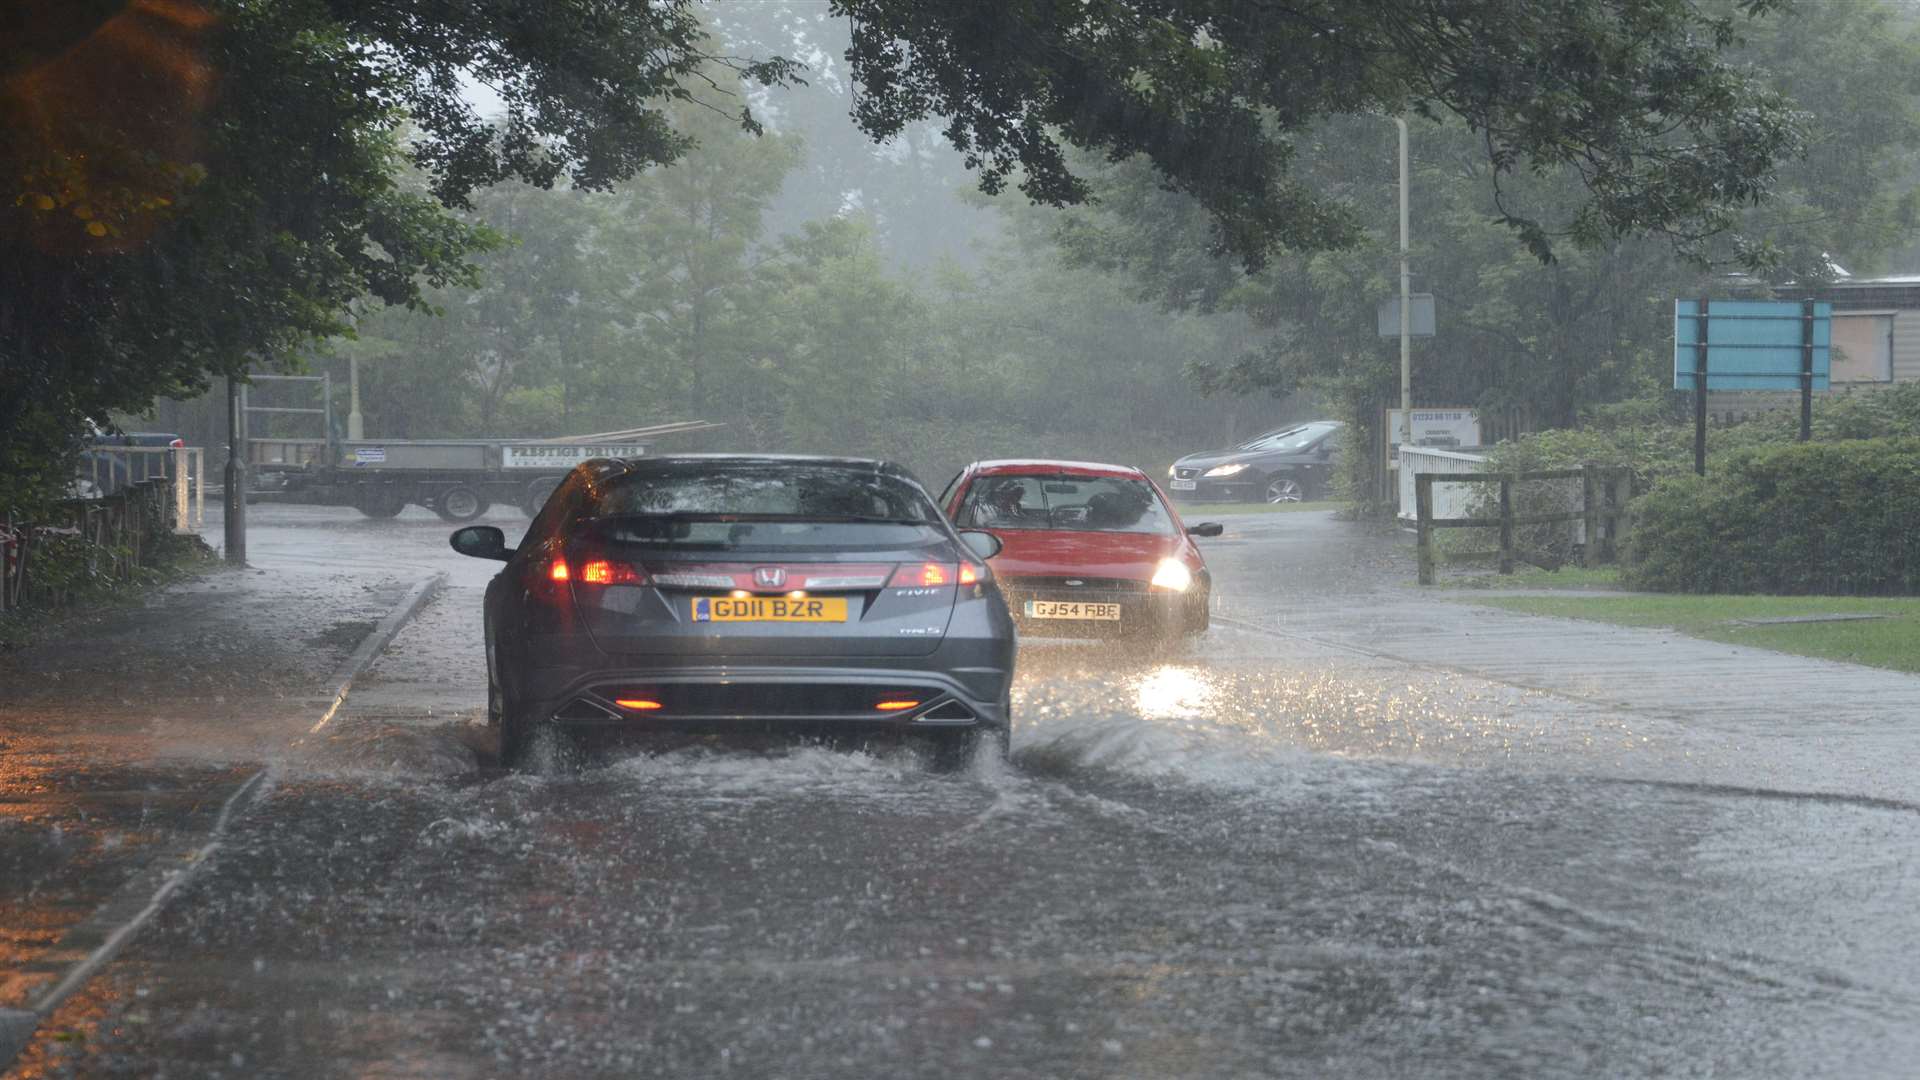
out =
column 1443, row 428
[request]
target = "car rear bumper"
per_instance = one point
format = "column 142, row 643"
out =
column 784, row 698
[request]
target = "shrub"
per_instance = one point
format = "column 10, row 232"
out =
column 1833, row 518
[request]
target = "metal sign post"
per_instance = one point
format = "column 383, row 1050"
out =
column 1807, row 316
column 1700, row 393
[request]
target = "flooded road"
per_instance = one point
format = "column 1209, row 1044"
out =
column 1269, row 854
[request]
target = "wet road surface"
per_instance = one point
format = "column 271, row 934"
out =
column 1266, row 855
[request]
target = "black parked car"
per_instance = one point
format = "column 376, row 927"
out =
column 722, row 594
column 1288, row 465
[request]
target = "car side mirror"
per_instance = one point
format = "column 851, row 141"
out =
column 1206, row 528
column 482, row 542
column 984, row 544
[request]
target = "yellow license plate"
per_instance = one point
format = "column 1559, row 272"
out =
column 1072, row 609
column 769, row 609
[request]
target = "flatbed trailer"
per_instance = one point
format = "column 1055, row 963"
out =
column 458, row 479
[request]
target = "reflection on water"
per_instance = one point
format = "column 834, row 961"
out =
column 1219, row 720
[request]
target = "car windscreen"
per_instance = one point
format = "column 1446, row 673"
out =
column 1297, row 439
column 789, row 508
column 1071, row 503
column 1262, row 441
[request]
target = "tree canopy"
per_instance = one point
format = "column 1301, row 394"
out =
column 1635, row 98
column 195, row 186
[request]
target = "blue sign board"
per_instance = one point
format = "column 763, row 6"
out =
column 1751, row 344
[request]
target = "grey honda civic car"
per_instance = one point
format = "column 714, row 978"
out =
column 725, row 593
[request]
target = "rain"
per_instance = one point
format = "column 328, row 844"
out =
column 1536, row 708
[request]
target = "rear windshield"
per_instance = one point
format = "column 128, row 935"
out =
column 1070, row 503
column 786, row 507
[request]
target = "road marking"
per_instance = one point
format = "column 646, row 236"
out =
column 17, row 1026
column 374, row 643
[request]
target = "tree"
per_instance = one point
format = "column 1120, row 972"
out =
column 207, row 184
column 204, row 186
column 1632, row 97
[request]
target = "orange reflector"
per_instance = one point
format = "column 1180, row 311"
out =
column 637, row 704
column 895, row 706
column 558, row 571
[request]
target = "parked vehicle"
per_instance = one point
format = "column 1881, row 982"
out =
column 721, row 593
column 458, row 479
column 1283, row 466
column 1087, row 550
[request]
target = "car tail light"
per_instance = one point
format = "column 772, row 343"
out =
column 637, row 704
column 970, row 574
column 923, row 575
column 607, row 572
column 899, row 705
column 592, row 568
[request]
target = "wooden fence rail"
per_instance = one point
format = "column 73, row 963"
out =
column 1604, row 497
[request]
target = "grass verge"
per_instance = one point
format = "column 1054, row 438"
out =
column 1571, row 578
column 1892, row 641
column 175, row 558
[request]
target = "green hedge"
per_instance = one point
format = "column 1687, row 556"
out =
column 1836, row 518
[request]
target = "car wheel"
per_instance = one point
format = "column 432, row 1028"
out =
column 954, row 751
column 1199, row 615
column 536, row 494
column 1282, row 488
column 459, row 503
column 378, row 502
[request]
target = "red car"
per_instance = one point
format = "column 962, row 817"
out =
column 1088, row 550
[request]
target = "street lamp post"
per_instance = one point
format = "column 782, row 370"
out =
column 1406, row 304
column 355, row 430
column 236, row 487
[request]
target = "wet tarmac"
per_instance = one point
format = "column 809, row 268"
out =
column 1279, row 852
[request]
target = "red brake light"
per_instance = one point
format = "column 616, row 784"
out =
column 603, row 572
column 923, row 575
column 895, row 706
column 637, row 704
column 558, row 571
column 968, row 574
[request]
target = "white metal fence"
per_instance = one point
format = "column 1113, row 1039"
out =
column 108, row 470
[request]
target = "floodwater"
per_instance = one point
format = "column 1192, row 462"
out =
column 1261, row 855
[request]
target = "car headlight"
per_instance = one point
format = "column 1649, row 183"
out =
column 1172, row 574
column 1173, row 470
column 1226, row 470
